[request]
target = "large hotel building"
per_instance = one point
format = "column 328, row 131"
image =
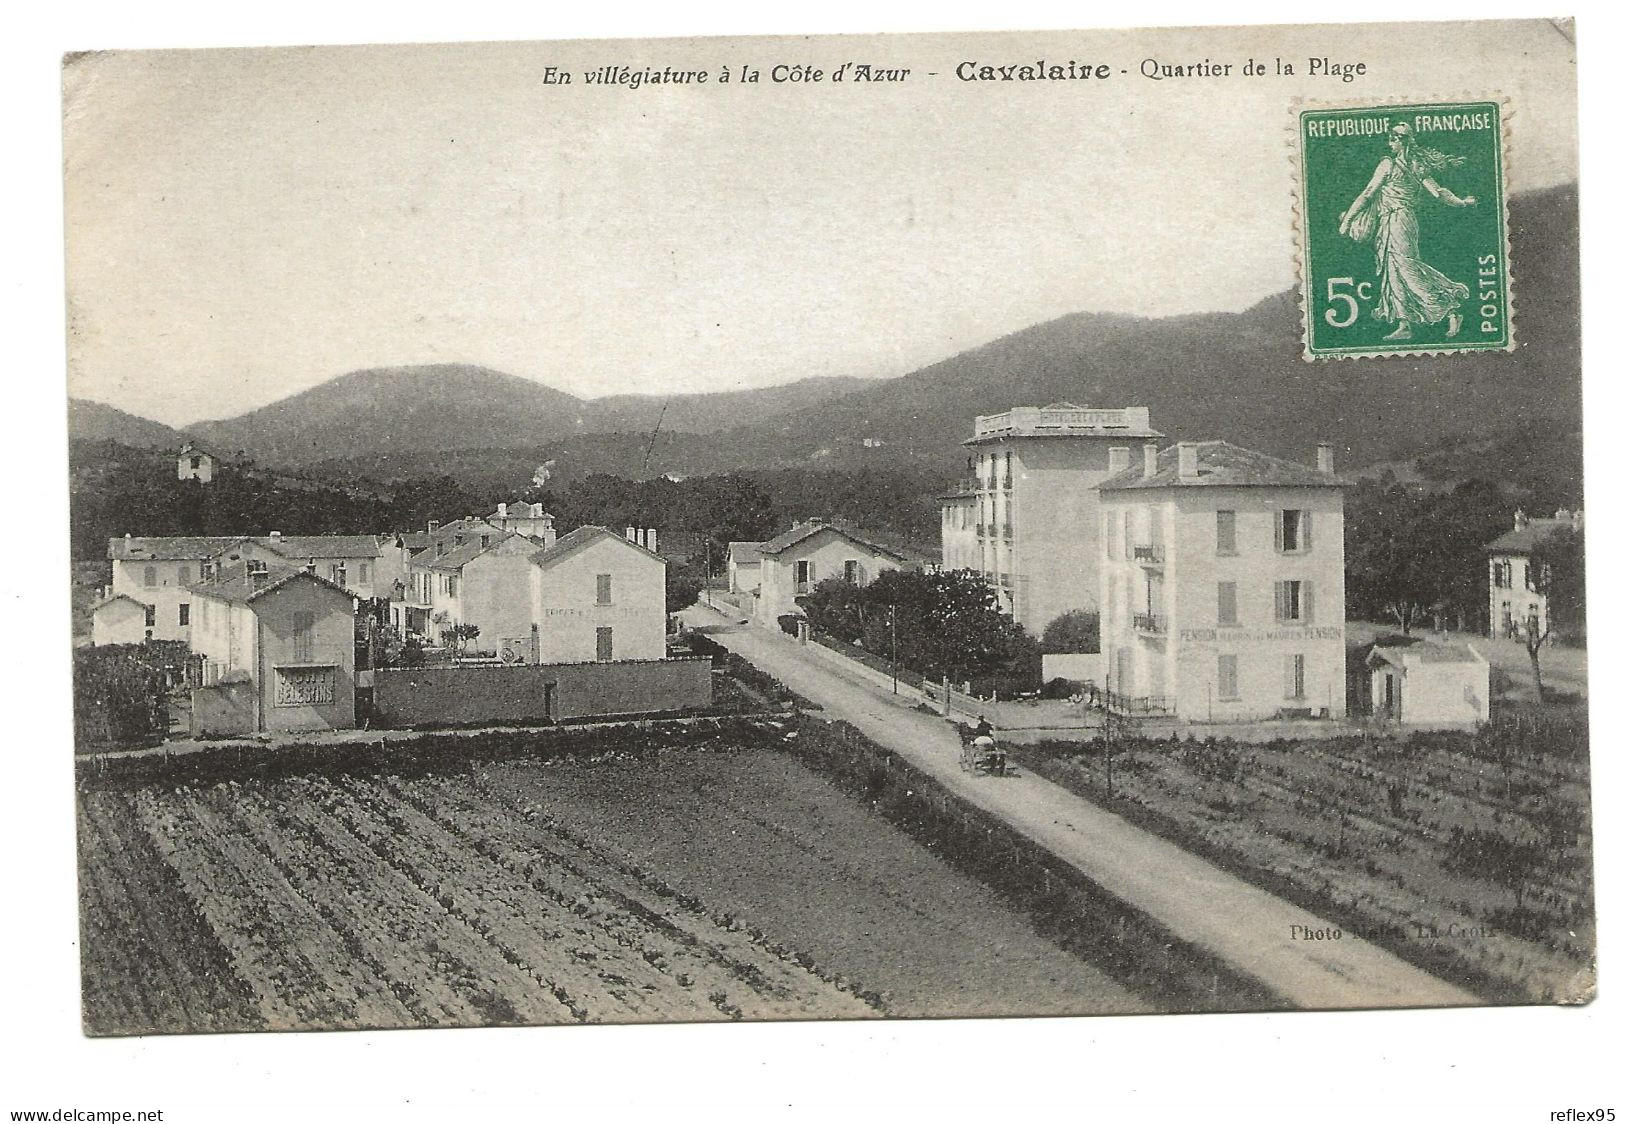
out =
column 1222, row 571
column 1028, row 519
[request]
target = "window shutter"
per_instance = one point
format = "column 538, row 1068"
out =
column 1305, row 542
column 1308, row 602
column 812, row 572
column 1279, row 531
column 1280, row 587
column 1291, row 667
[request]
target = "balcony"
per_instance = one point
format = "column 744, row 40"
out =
column 1151, row 624
column 1139, row 706
column 1007, row 531
column 981, row 530
column 1149, row 554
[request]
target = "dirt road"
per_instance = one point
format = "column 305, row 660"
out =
column 1249, row 928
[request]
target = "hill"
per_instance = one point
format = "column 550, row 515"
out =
column 440, row 406
column 1236, row 375
column 93, row 421
column 708, row 413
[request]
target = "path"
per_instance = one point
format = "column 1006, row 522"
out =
column 1248, row 928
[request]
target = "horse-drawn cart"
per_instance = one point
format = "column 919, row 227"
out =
column 981, row 754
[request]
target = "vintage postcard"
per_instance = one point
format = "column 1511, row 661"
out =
column 828, row 528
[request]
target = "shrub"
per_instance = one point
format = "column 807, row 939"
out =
column 1058, row 689
column 791, row 623
column 119, row 695
column 1074, row 631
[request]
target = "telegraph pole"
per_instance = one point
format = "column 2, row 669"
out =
column 894, row 649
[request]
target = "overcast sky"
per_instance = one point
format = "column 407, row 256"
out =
column 244, row 225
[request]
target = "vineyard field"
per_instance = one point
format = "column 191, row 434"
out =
column 1468, row 853
column 711, row 883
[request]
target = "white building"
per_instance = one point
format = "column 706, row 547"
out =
column 797, row 560
column 192, row 463
column 1030, row 524
column 158, row 571
column 1222, row 574
column 744, row 567
column 486, row 586
column 524, row 519
column 288, row 634
column 596, row 595
column 121, row 619
column 1516, row 606
column 1427, row 683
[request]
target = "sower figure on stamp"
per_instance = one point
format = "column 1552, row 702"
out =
column 1411, row 290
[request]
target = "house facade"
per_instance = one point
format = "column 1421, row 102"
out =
column 285, row 633
column 744, row 567
column 961, row 545
column 597, row 596
column 192, row 463
column 159, row 571
column 121, row 619
column 1517, row 606
column 797, row 560
column 485, row 586
column 1034, row 503
column 527, row 519
column 1222, row 585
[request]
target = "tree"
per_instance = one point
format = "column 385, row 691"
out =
column 947, row 624
column 1556, row 569
column 683, row 586
column 837, row 608
column 1077, row 630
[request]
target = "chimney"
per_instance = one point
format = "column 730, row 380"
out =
column 1520, row 521
column 434, row 525
column 1148, row 455
column 502, row 510
column 1117, row 458
column 276, row 536
column 1323, row 458
column 1563, row 515
column 631, row 534
column 651, row 543
column 1187, row 461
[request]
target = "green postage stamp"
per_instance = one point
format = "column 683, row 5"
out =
column 1402, row 229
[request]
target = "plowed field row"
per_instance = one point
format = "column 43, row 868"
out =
column 463, row 898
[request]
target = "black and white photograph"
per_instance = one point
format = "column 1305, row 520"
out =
column 808, row 530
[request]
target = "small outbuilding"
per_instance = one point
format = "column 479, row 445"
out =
column 1426, row 683
column 120, row 619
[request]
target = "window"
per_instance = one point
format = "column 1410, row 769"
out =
column 805, row 574
column 1501, row 573
column 361, row 573
column 303, row 635
column 185, row 614
column 1229, row 677
column 853, row 572
column 451, row 585
column 485, row 541
column 1294, row 677
column 604, row 589
column 1227, row 603
column 197, row 463
column 606, row 644
column 1294, row 601
column 340, row 574
column 1226, row 532
column 149, row 576
column 1529, row 576
column 1292, row 531
column 152, row 616
column 183, row 574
